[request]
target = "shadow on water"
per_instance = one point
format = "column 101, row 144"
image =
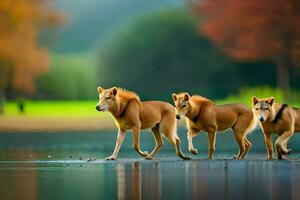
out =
column 54, row 167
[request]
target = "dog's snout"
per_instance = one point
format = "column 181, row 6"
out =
column 261, row 119
column 98, row 107
column 177, row 116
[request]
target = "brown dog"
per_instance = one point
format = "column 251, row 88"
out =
column 202, row 114
column 280, row 119
column 132, row 114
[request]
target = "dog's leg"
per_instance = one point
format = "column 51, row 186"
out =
column 269, row 145
column 168, row 127
column 212, row 144
column 136, row 142
column 280, row 143
column 158, row 140
column 241, row 155
column 119, row 141
column 241, row 142
column 247, row 147
column 285, row 150
column 178, row 150
column 190, row 134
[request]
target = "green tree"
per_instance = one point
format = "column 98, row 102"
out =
column 162, row 52
column 21, row 57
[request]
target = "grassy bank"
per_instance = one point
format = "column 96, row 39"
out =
column 86, row 108
column 82, row 115
column 245, row 96
column 54, row 109
column 54, row 116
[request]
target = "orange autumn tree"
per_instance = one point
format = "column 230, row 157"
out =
column 21, row 57
column 253, row 30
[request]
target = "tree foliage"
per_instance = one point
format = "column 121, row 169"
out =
column 255, row 30
column 21, row 57
column 162, row 52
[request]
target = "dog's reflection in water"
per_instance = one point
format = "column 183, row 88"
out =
column 131, row 181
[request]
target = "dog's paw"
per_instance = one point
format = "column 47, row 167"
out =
column 286, row 152
column 149, row 157
column 110, row 158
column 279, row 157
column 194, row 151
column 146, row 154
column 186, row 158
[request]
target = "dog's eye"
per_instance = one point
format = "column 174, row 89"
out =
column 256, row 108
column 183, row 106
column 107, row 98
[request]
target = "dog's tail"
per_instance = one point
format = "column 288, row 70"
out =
column 253, row 124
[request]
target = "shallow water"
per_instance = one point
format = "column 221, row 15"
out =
column 54, row 166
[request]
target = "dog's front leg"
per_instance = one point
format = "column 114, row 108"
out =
column 136, row 142
column 268, row 140
column 119, row 141
column 190, row 134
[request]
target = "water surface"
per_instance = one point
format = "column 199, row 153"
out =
column 54, row 166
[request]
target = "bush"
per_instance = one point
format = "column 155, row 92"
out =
column 245, row 96
column 71, row 76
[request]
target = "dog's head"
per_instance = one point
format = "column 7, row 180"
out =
column 263, row 108
column 181, row 102
column 107, row 99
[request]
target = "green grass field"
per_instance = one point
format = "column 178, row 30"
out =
column 245, row 96
column 54, row 109
column 87, row 108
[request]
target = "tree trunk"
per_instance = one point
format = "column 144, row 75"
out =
column 283, row 78
column 2, row 101
column 5, row 74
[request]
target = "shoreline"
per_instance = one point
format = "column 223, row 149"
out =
column 38, row 124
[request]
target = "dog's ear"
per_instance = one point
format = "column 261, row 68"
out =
column 186, row 96
column 254, row 100
column 174, row 97
column 271, row 100
column 114, row 91
column 100, row 90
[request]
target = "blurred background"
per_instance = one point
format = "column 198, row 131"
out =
column 54, row 54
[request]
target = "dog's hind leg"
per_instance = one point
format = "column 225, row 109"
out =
column 240, row 131
column 212, row 144
column 178, row 150
column 285, row 150
column 239, row 137
column 175, row 142
column 158, row 140
column 247, row 147
column 168, row 127
column 280, row 142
